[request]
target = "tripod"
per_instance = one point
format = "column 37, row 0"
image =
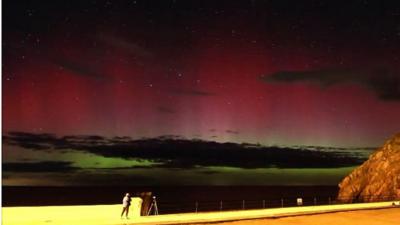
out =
column 153, row 205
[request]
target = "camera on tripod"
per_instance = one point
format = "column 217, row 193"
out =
column 153, row 207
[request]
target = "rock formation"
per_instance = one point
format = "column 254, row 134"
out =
column 147, row 198
column 377, row 179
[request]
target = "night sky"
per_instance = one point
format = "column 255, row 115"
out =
column 99, row 92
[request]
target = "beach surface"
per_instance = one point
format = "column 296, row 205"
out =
column 381, row 213
column 359, row 217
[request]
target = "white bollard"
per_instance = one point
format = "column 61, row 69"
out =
column 299, row 201
column 136, row 207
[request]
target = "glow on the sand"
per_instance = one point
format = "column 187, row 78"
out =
column 109, row 214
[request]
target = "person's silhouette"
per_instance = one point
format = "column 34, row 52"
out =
column 126, row 202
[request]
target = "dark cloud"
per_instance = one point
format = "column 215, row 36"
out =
column 167, row 137
column 38, row 167
column 176, row 152
column 383, row 82
column 78, row 68
column 32, row 141
column 232, row 132
column 191, row 92
column 165, row 110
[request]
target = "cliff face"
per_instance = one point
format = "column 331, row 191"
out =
column 376, row 179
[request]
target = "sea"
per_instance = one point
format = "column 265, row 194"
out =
column 174, row 199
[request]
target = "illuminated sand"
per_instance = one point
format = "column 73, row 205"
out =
column 360, row 217
column 109, row 214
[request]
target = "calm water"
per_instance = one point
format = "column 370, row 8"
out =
column 174, row 199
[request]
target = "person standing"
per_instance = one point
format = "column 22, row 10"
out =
column 126, row 202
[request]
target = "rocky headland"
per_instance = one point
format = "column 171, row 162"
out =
column 377, row 179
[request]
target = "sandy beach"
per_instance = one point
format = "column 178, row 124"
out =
column 364, row 214
column 360, row 217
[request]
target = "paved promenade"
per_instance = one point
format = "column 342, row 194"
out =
column 109, row 214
